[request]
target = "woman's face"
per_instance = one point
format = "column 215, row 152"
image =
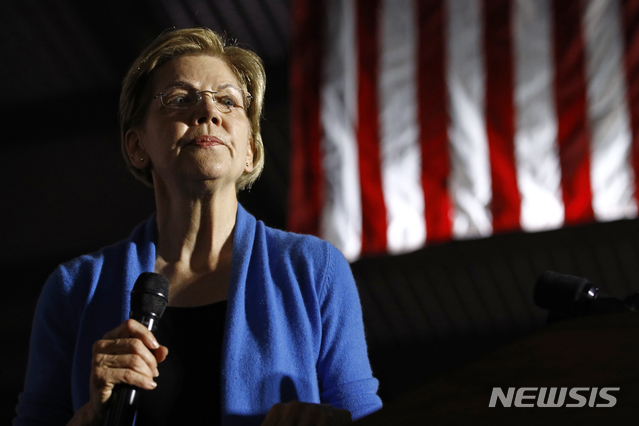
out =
column 199, row 143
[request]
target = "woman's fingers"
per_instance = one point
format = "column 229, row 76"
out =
column 127, row 354
column 133, row 337
column 161, row 353
column 132, row 328
column 274, row 415
column 298, row 413
column 120, row 353
column 105, row 379
column 134, row 362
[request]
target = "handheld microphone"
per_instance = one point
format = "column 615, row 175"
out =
column 149, row 297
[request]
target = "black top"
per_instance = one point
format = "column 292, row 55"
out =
column 188, row 390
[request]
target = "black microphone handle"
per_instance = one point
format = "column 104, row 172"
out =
column 125, row 398
column 123, row 406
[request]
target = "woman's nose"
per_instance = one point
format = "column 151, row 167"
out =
column 206, row 110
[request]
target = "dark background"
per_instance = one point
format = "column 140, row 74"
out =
column 66, row 191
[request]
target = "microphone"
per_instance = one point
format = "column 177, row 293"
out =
column 149, row 297
column 566, row 296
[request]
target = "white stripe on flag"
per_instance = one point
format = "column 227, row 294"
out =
column 536, row 150
column 399, row 134
column 612, row 177
column 470, row 182
column 342, row 212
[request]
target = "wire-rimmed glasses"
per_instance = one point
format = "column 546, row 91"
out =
column 226, row 99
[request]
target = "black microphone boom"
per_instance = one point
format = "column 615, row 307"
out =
column 149, row 297
column 567, row 296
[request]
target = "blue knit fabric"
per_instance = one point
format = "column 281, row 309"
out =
column 293, row 331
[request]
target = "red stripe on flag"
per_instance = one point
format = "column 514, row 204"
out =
column 570, row 98
column 306, row 179
column 630, row 13
column 434, row 119
column 500, row 115
column 373, row 207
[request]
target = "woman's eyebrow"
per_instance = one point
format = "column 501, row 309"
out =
column 178, row 83
column 226, row 85
column 182, row 83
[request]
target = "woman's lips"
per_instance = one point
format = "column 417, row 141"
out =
column 206, row 140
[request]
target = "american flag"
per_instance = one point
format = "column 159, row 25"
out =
column 420, row 121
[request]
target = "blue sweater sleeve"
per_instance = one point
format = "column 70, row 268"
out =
column 343, row 367
column 46, row 399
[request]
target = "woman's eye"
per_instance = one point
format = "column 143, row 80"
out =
column 227, row 101
column 179, row 99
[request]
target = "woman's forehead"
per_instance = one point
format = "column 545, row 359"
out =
column 200, row 71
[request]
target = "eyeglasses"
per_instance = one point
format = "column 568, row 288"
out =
column 226, row 100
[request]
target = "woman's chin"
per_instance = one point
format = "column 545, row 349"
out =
column 213, row 179
column 199, row 173
column 205, row 169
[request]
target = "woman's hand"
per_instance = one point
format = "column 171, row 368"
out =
column 298, row 413
column 127, row 354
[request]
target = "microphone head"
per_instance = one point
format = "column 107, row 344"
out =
column 561, row 292
column 149, row 296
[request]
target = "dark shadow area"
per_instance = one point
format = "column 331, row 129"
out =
column 434, row 310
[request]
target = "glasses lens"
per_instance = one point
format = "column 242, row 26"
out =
column 229, row 99
column 179, row 97
column 226, row 100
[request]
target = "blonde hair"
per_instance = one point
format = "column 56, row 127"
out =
column 245, row 65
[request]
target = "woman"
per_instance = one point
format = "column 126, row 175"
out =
column 284, row 307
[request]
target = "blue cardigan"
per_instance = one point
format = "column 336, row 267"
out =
column 293, row 329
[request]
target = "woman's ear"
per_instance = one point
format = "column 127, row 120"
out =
column 137, row 154
column 248, row 168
